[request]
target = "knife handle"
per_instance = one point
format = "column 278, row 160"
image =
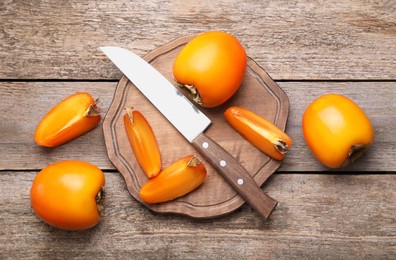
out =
column 235, row 174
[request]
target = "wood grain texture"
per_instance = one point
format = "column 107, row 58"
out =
column 322, row 216
column 25, row 103
column 290, row 39
column 309, row 47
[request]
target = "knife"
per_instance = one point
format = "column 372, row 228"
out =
column 191, row 123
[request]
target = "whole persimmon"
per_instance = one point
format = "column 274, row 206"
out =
column 211, row 67
column 336, row 130
column 67, row 194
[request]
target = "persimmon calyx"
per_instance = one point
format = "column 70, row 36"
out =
column 94, row 109
column 193, row 162
column 281, row 146
column 355, row 152
column 192, row 92
column 129, row 111
column 99, row 198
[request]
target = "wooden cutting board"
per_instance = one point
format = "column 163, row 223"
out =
column 214, row 197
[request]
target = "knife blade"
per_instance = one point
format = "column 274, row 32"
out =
column 191, row 123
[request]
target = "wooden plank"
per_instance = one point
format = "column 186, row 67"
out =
column 377, row 99
column 320, row 216
column 25, row 103
column 304, row 40
column 23, row 106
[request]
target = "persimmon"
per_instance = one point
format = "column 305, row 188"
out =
column 178, row 179
column 211, row 67
column 258, row 131
column 69, row 119
column 143, row 142
column 68, row 194
column 336, row 130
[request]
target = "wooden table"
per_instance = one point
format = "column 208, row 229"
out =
column 49, row 50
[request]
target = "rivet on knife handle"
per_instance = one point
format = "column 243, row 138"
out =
column 235, row 174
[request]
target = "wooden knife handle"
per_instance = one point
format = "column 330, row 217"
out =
column 235, row 174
